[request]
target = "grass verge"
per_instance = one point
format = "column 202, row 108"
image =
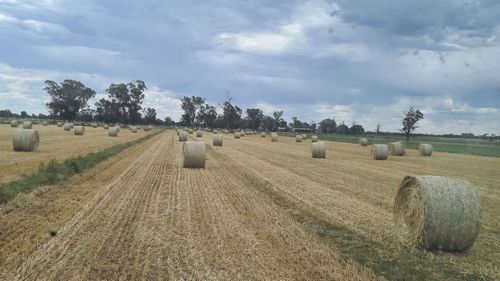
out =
column 56, row 172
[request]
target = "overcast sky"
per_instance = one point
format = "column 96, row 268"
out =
column 362, row 61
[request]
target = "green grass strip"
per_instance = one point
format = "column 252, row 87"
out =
column 55, row 172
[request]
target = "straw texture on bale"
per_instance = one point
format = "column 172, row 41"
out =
column 113, row 132
column 318, row 150
column 199, row 134
column 363, row 141
column 437, row 213
column 298, row 138
column 27, row 125
column 194, row 154
column 262, row 135
column 396, row 148
column 14, row 124
column 183, row 136
column 59, row 124
column 79, row 130
column 67, row 127
column 304, row 136
column 133, row 129
column 314, row 138
column 237, row 135
column 380, row 151
column 218, row 140
column 190, row 131
column 274, row 137
column 425, row 149
column 25, row 139
column 45, row 123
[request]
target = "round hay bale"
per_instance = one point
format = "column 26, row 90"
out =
column 314, row 138
column 218, row 140
column 199, row 134
column 242, row 133
column 59, row 124
column 216, row 131
column 237, row 135
column 14, row 124
column 94, row 125
column 298, row 138
column 190, row 131
column 45, row 123
column 380, row 151
column 71, row 125
column 133, row 129
column 262, row 135
column 79, row 130
column 425, row 149
column 194, row 154
column 27, row 125
column 396, row 148
column 437, row 213
column 67, row 127
column 25, row 140
column 226, row 131
column 106, row 127
column 318, row 150
column 113, row 132
column 363, row 141
column 183, row 136
column 274, row 137
column 304, row 136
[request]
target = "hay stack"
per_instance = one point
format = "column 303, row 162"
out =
column 45, row 123
column 262, row 135
column 183, row 136
column 298, row 138
column 113, row 132
column 199, row 134
column 425, row 149
column 314, row 138
column 226, row 131
column 14, row 124
column 217, row 140
column 67, row 127
column 237, row 135
column 216, row 132
column 194, row 154
column 94, row 125
column 396, row 148
column 436, row 212
column 318, row 150
column 242, row 133
column 59, row 124
column 79, row 130
column 363, row 141
column 106, row 127
column 190, row 131
column 27, row 125
column 304, row 136
column 133, row 129
column 380, row 151
column 274, row 137
column 25, row 140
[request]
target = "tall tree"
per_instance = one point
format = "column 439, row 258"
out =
column 327, row 126
column 409, row 122
column 356, row 129
column 377, row 129
column 190, row 105
column 231, row 114
column 169, row 122
column 278, row 120
column 254, row 118
column 342, row 129
column 67, row 98
column 207, row 116
column 149, row 115
column 268, row 123
column 127, row 98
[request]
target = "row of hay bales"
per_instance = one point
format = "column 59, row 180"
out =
column 382, row 151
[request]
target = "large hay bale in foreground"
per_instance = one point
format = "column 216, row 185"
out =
column 25, row 139
column 274, row 137
column 437, row 213
column 183, row 136
column 27, row 125
column 67, row 127
column 199, row 134
column 14, row 123
column 396, row 148
column 113, row 132
column 380, row 151
column 318, row 150
column 425, row 149
column 194, row 154
column 218, row 140
column 79, row 130
column 237, row 135
column 363, row 141
column 298, row 138
column 314, row 138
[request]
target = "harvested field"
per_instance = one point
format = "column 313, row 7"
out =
column 258, row 211
column 55, row 143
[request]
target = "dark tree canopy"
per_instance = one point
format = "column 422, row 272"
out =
column 327, row 126
column 67, row 98
column 207, row 116
column 149, row 115
column 190, row 105
column 409, row 122
column 126, row 101
column 231, row 114
column 254, row 118
column 342, row 129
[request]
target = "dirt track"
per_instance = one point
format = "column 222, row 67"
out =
column 259, row 211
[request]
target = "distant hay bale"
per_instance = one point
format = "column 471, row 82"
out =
column 199, row 134
column 45, row 123
column 27, row 125
column 190, row 131
column 318, row 150
column 226, row 131
column 133, row 129
column 183, row 136
column 59, row 124
column 113, row 132
column 106, row 127
column 79, row 130
column 304, row 136
column 237, row 135
column 425, row 149
column 71, row 125
column 274, row 137
column 25, row 140
column 363, row 141
column 314, row 138
column 396, row 148
column 216, row 131
column 14, row 123
column 67, row 127
column 437, row 213
column 298, row 138
column 262, row 135
column 94, row 125
column 194, row 154
column 380, row 151
column 218, row 140
column 148, row 128
column 242, row 133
